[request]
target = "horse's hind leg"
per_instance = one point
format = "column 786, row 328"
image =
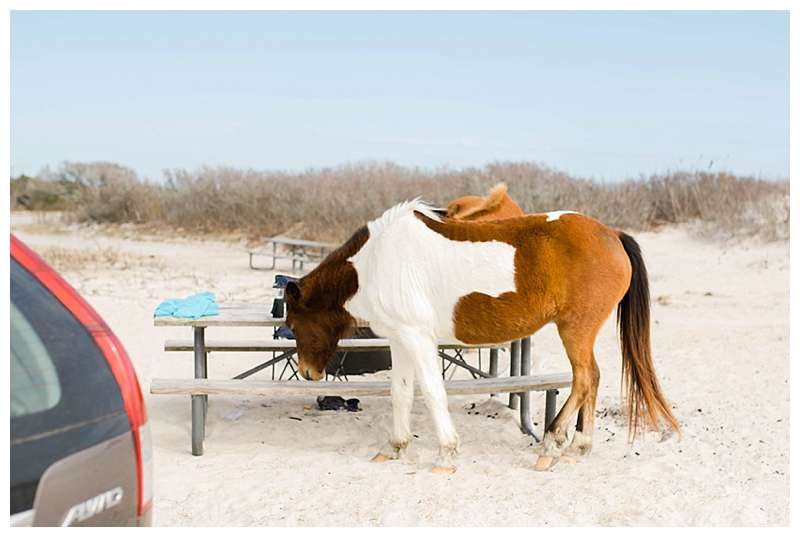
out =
column 581, row 444
column 402, row 401
column 578, row 339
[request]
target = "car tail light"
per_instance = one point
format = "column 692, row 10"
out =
column 117, row 358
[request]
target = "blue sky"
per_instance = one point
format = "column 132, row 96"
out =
column 602, row 95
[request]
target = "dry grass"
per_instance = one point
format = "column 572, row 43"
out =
column 328, row 204
column 38, row 222
column 77, row 260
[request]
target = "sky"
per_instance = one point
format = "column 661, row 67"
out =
column 598, row 95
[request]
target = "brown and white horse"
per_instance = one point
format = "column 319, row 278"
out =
column 495, row 206
column 417, row 278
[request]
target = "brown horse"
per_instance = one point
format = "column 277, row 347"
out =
column 497, row 205
column 417, row 279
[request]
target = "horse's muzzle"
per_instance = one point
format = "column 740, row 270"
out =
column 311, row 374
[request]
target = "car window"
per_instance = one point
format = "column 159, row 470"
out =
column 34, row 381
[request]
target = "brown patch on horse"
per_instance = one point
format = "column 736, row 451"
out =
column 552, row 258
column 572, row 271
column 315, row 306
column 495, row 206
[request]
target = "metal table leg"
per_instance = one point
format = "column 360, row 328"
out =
column 525, row 397
column 550, row 408
column 199, row 402
column 264, row 253
column 459, row 361
column 205, row 397
column 493, row 365
column 513, row 398
column 274, row 360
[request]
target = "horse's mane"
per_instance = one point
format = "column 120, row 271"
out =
column 406, row 208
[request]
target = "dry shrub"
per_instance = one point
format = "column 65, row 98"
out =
column 329, row 203
column 35, row 194
column 107, row 192
column 729, row 206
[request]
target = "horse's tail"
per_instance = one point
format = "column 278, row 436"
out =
column 645, row 400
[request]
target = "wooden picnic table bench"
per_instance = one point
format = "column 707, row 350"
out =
column 300, row 252
column 518, row 385
column 543, row 382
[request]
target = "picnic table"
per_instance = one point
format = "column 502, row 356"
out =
column 518, row 385
column 300, row 252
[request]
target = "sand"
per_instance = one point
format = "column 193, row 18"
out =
column 721, row 349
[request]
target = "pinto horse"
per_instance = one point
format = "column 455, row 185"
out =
column 495, row 206
column 418, row 278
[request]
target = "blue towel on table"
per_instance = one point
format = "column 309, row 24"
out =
column 191, row 307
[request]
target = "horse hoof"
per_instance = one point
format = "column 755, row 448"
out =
column 545, row 462
column 444, row 470
column 575, row 453
column 380, row 457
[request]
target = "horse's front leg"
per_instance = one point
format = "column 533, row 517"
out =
column 423, row 349
column 402, row 401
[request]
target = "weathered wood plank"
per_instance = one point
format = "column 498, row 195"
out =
column 268, row 345
column 237, row 314
column 229, row 315
column 300, row 242
column 541, row 382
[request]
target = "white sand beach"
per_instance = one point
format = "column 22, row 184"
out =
column 721, row 350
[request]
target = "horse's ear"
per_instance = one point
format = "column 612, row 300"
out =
column 293, row 292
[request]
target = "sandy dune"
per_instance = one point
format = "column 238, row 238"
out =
column 721, row 346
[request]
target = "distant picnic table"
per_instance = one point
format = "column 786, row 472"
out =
column 518, row 385
column 300, row 252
